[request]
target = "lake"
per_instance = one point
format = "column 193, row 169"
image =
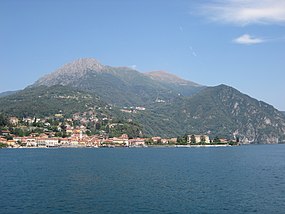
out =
column 241, row 179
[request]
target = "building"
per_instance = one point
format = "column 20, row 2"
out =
column 41, row 142
column 31, row 142
column 74, row 142
column 12, row 143
column 137, row 142
column 5, row 132
column 123, row 140
column 93, row 142
column 64, row 142
column 52, row 142
column 156, row 139
column 172, row 140
column 3, row 140
column 14, row 120
column 198, row 139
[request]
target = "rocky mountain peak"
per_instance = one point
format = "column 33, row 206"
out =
column 84, row 64
column 68, row 72
column 81, row 66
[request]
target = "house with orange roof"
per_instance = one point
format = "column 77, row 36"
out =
column 3, row 140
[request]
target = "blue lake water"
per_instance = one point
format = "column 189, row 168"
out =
column 244, row 179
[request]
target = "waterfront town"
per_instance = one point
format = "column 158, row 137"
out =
column 73, row 132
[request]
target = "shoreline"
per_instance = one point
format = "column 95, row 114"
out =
column 110, row 147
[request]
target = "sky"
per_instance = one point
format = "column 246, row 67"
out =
column 240, row 43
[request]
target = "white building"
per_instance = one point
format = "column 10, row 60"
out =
column 198, row 138
column 31, row 142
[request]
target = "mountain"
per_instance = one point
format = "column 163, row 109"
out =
column 120, row 86
column 161, row 103
column 6, row 93
column 220, row 111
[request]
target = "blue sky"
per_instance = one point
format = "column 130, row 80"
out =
column 240, row 43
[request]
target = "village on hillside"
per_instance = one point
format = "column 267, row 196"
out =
column 58, row 131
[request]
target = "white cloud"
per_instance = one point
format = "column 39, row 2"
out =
column 248, row 40
column 243, row 12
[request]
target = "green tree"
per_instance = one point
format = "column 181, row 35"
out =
column 9, row 137
column 35, row 122
column 88, row 132
column 58, row 134
column 216, row 140
column 149, row 141
column 182, row 140
column 202, row 139
column 18, row 132
column 159, row 142
column 2, row 145
column 237, row 139
column 97, row 126
column 192, row 139
column 3, row 120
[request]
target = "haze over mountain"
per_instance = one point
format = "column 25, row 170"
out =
column 170, row 106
